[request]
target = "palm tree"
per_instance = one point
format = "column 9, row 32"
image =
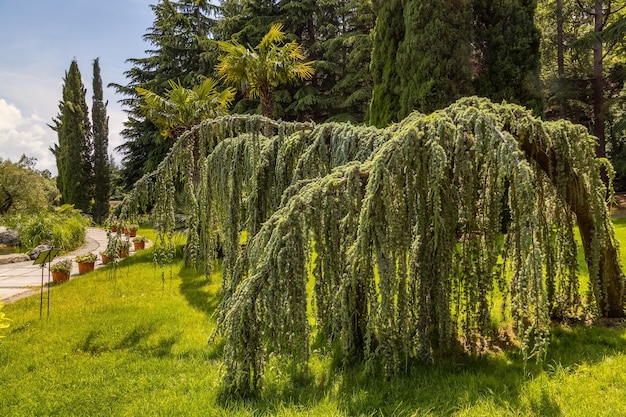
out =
column 181, row 108
column 258, row 71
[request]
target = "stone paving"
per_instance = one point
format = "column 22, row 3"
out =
column 22, row 279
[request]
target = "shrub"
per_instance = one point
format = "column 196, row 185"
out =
column 62, row 228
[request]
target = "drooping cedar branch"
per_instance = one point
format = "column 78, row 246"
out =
column 593, row 222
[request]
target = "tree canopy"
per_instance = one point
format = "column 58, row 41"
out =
column 402, row 229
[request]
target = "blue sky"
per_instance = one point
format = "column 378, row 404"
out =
column 38, row 40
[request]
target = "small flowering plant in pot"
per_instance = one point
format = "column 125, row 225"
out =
column 61, row 270
column 123, row 246
column 139, row 242
column 85, row 263
column 109, row 254
column 132, row 229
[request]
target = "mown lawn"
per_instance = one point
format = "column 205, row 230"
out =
column 130, row 344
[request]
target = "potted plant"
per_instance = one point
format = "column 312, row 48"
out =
column 139, row 242
column 109, row 254
column 132, row 229
column 123, row 246
column 85, row 263
column 112, row 221
column 61, row 270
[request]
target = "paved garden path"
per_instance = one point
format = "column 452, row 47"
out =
column 22, row 279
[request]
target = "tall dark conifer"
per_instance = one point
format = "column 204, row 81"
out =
column 507, row 42
column 74, row 150
column 387, row 36
column 100, row 123
column 434, row 56
column 334, row 35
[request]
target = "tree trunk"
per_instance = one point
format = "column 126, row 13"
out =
column 266, row 94
column 610, row 292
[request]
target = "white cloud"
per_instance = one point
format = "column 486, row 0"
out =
column 27, row 135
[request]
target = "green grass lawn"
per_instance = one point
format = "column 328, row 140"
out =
column 130, row 344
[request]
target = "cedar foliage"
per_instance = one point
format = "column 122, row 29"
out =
column 401, row 229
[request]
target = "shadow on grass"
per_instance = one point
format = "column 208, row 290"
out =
column 135, row 339
column 446, row 388
column 199, row 290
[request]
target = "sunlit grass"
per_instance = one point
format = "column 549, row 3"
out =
column 121, row 341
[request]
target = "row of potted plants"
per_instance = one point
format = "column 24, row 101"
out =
column 126, row 229
column 61, row 270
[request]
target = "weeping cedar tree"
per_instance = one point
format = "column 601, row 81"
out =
column 101, row 173
column 401, row 229
column 73, row 153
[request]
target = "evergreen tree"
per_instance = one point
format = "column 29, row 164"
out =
column 181, row 51
column 507, row 43
column 426, row 54
column 433, row 60
column 74, row 150
column 100, row 122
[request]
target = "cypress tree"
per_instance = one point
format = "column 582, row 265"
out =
column 73, row 152
column 100, row 148
column 508, row 43
column 387, row 35
column 433, row 60
column 427, row 53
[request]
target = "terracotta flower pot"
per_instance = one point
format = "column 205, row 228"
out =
column 105, row 259
column 60, row 276
column 139, row 245
column 114, row 228
column 122, row 253
column 84, row 267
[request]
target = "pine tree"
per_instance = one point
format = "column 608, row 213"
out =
column 100, row 122
column 74, row 150
column 181, row 51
